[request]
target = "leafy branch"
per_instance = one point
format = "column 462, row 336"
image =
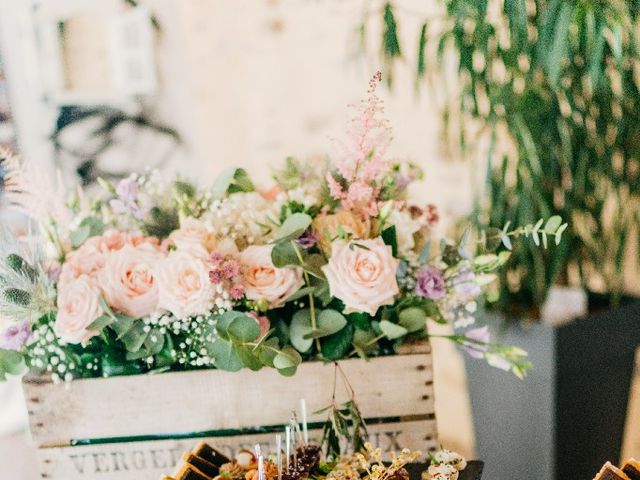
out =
column 344, row 422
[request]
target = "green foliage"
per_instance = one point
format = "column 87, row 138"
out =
column 11, row 363
column 554, row 84
column 161, row 222
column 412, row 319
column 344, row 422
column 393, row 331
column 294, row 226
column 389, row 237
column 89, row 227
column 238, row 345
column 390, row 43
column 230, row 181
column 338, row 345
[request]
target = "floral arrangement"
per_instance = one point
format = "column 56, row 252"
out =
column 153, row 274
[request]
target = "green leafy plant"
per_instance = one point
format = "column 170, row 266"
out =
column 551, row 86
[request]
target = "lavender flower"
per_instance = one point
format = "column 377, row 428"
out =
column 477, row 350
column 127, row 201
column 127, row 189
column 16, row 336
column 430, row 283
column 465, row 284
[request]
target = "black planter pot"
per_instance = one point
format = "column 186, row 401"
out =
column 568, row 416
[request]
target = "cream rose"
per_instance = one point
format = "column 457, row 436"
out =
column 78, row 307
column 193, row 232
column 183, row 282
column 263, row 281
column 327, row 227
column 129, row 282
column 362, row 274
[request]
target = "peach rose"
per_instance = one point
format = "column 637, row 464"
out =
column 362, row 274
column 193, row 232
column 128, row 279
column 183, row 281
column 78, row 307
column 263, row 281
column 90, row 258
column 327, row 227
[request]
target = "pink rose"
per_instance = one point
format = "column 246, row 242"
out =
column 263, row 281
column 129, row 282
column 78, row 307
column 183, row 281
column 192, row 233
column 362, row 274
column 90, row 258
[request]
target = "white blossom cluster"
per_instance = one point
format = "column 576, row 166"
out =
column 197, row 335
column 246, row 218
column 307, row 195
column 48, row 356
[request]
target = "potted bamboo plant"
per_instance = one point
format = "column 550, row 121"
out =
column 551, row 87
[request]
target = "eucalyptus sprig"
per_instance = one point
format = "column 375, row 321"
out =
column 345, row 423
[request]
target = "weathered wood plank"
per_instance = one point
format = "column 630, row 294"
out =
column 200, row 401
column 150, row 460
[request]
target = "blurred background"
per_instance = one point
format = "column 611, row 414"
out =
column 515, row 109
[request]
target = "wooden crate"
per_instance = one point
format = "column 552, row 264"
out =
column 137, row 427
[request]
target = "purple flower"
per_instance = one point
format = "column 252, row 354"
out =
column 127, row 201
column 307, row 240
column 465, row 285
column 477, row 350
column 127, row 189
column 430, row 283
column 14, row 337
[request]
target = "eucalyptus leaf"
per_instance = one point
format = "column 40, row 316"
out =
column 294, row 226
column 553, row 224
column 249, row 359
column 393, row 331
column 135, row 337
column 100, row 323
column 314, row 263
column 224, row 322
column 331, row 321
column 244, row 329
column 284, row 254
column 79, row 236
column 226, row 356
column 338, row 345
column 300, row 328
column 412, row 319
column 287, row 359
column 268, row 351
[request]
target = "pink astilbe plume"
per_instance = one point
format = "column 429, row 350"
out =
column 30, row 191
column 360, row 163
